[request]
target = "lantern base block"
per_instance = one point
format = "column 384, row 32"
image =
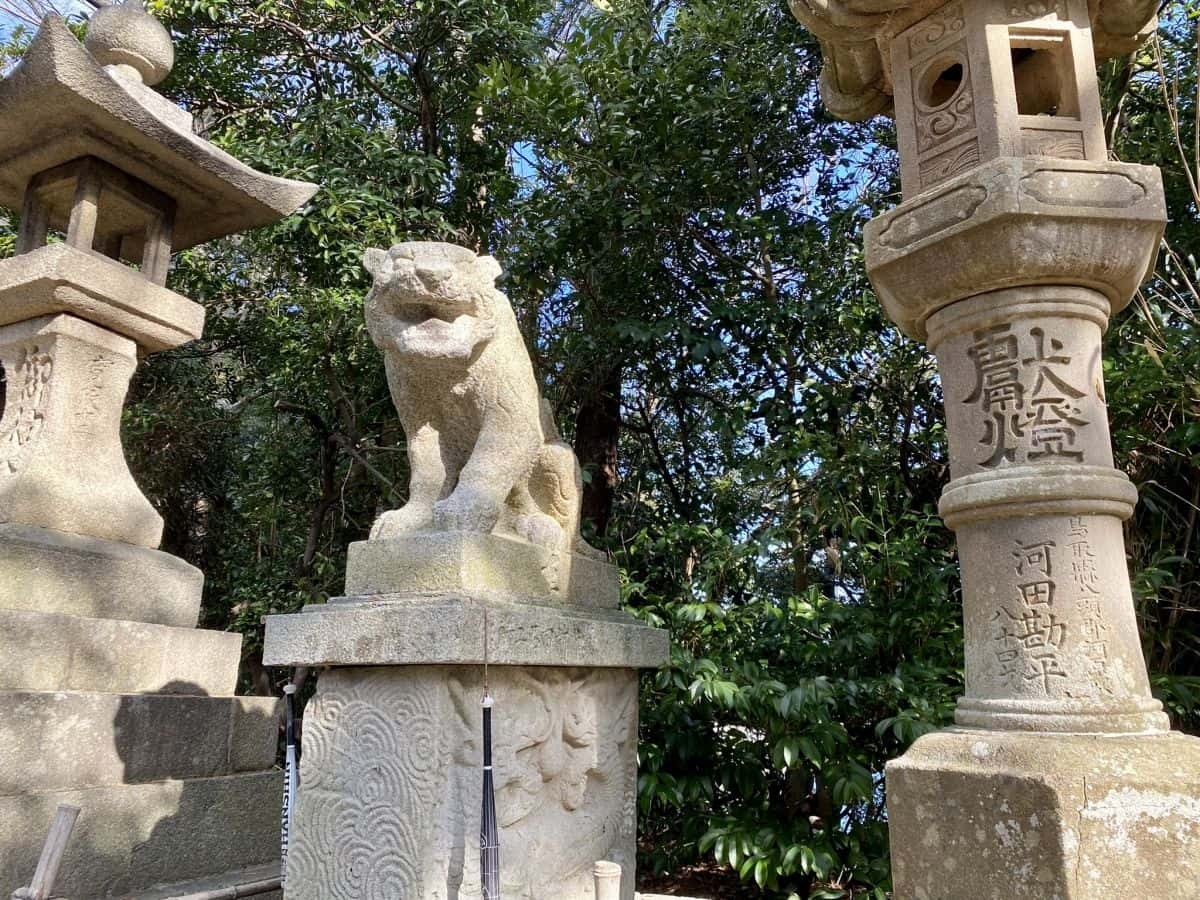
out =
column 1021, row 816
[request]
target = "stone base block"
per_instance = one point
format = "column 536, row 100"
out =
column 54, row 652
column 477, row 564
column 451, row 629
column 130, row 838
column 74, row 740
column 56, row 572
column 391, row 782
column 1009, row 816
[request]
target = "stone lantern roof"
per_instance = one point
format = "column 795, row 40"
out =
column 855, row 37
column 65, row 101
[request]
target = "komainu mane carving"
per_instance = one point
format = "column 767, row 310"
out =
column 484, row 451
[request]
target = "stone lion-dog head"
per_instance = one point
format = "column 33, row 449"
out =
column 431, row 299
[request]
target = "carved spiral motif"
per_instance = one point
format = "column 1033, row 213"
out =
column 370, row 780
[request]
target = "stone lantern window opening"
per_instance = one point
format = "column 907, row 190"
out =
column 100, row 209
column 1043, row 73
column 942, row 81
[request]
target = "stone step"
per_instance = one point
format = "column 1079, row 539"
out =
column 260, row 882
column 131, row 838
column 52, row 571
column 41, row 651
column 68, row 740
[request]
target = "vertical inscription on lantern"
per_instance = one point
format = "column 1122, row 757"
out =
column 1032, row 412
column 1093, row 630
column 1029, row 634
column 89, row 413
column 25, row 415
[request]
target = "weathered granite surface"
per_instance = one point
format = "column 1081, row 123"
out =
column 60, row 436
column 857, row 38
column 484, row 452
column 59, row 278
column 42, row 651
column 473, row 563
column 1017, row 240
column 132, row 836
column 62, row 103
column 1006, row 816
column 57, row 572
column 449, row 628
column 129, row 738
column 483, row 565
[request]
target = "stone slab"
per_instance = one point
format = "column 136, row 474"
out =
column 1010, row 816
column 42, row 651
column 56, row 572
column 58, row 278
column 474, row 563
column 449, row 629
column 72, row 740
column 129, row 838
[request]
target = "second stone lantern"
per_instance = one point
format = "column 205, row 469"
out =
column 1016, row 243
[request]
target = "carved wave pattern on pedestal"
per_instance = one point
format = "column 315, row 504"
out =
column 370, row 778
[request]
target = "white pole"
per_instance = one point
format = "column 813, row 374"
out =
column 608, row 880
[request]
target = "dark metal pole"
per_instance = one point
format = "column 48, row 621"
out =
column 489, row 833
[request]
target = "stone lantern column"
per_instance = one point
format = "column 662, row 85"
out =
column 1015, row 244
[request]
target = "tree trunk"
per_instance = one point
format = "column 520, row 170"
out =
column 597, row 432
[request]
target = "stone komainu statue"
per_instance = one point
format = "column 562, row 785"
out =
column 483, row 448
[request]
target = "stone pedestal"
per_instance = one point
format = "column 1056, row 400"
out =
column 111, row 700
column 390, row 778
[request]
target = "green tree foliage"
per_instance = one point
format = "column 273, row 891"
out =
column 681, row 226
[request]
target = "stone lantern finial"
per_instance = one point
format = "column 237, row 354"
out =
column 130, row 43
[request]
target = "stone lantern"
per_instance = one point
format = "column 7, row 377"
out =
column 1016, row 243
column 110, row 699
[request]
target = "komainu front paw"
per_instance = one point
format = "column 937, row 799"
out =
column 398, row 522
column 467, row 510
column 541, row 530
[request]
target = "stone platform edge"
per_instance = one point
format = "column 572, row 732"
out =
column 448, row 629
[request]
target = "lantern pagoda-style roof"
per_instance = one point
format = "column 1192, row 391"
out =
column 66, row 101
